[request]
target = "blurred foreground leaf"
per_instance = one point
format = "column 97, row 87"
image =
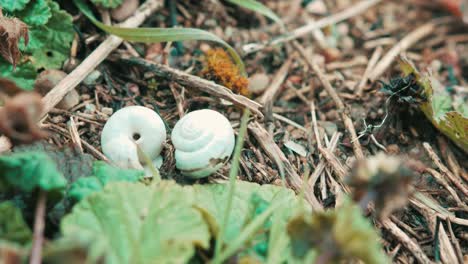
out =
column 12, row 225
column 140, row 224
column 259, row 8
column 103, row 174
column 29, row 171
column 336, row 235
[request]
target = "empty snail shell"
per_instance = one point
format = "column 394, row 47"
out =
column 129, row 127
column 203, row 142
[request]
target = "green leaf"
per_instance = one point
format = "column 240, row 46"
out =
column 103, row 174
column 50, row 36
column 50, row 44
column 438, row 108
column 342, row 233
column 151, row 35
column 140, row 224
column 249, row 201
column 36, row 13
column 69, row 160
column 259, row 8
column 12, row 225
column 13, row 5
column 107, row 3
column 24, row 74
column 30, row 171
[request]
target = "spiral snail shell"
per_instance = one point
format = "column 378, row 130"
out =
column 129, row 127
column 203, row 142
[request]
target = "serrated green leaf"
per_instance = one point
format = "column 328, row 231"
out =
column 107, row 3
column 140, row 224
column 103, row 174
column 250, row 200
column 13, row 5
column 30, row 171
column 259, row 8
column 50, row 43
column 24, row 74
column 343, row 232
column 151, row 35
column 36, row 13
column 438, row 108
column 12, row 225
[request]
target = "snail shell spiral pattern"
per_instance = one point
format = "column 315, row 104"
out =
column 203, row 141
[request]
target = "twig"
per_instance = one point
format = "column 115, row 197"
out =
column 352, row 11
column 348, row 123
column 39, row 224
column 370, row 66
column 407, row 242
column 449, row 188
column 96, row 57
column 194, row 82
column 275, row 154
column 456, row 181
column 406, row 42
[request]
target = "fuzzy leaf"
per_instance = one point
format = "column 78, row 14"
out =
column 24, row 74
column 36, row 13
column 343, row 232
column 70, row 162
column 438, row 108
column 13, row 5
column 50, row 43
column 29, row 171
column 103, row 174
column 107, row 3
column 12, row 225
column 140, row 224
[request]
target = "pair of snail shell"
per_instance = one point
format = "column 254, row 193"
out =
column 203, row 140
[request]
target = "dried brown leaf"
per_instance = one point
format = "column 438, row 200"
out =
column 11, row 32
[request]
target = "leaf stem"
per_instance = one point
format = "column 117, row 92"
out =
column 39, row 225
column 232, row 181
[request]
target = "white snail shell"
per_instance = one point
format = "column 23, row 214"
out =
column 128, row 127
column 203, row 142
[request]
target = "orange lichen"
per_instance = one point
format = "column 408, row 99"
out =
column 220, row 68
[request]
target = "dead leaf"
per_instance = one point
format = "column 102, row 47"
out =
column 11, row 32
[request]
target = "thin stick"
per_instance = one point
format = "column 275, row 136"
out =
column 456, row 181
column 370, row 66
column 405, row 43
column 352, row 11
column 407, row 242
column 39, row 224
column 96, row 57
column 348, row 123
column 194, row 82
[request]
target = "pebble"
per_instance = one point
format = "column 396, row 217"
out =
column 258, row 83
column 92, row 78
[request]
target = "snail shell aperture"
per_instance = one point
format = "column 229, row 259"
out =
column 131, row 126
column 203, row 141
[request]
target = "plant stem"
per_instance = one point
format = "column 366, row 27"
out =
column 232, row 181
column 39, row 224
column 246, row 233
